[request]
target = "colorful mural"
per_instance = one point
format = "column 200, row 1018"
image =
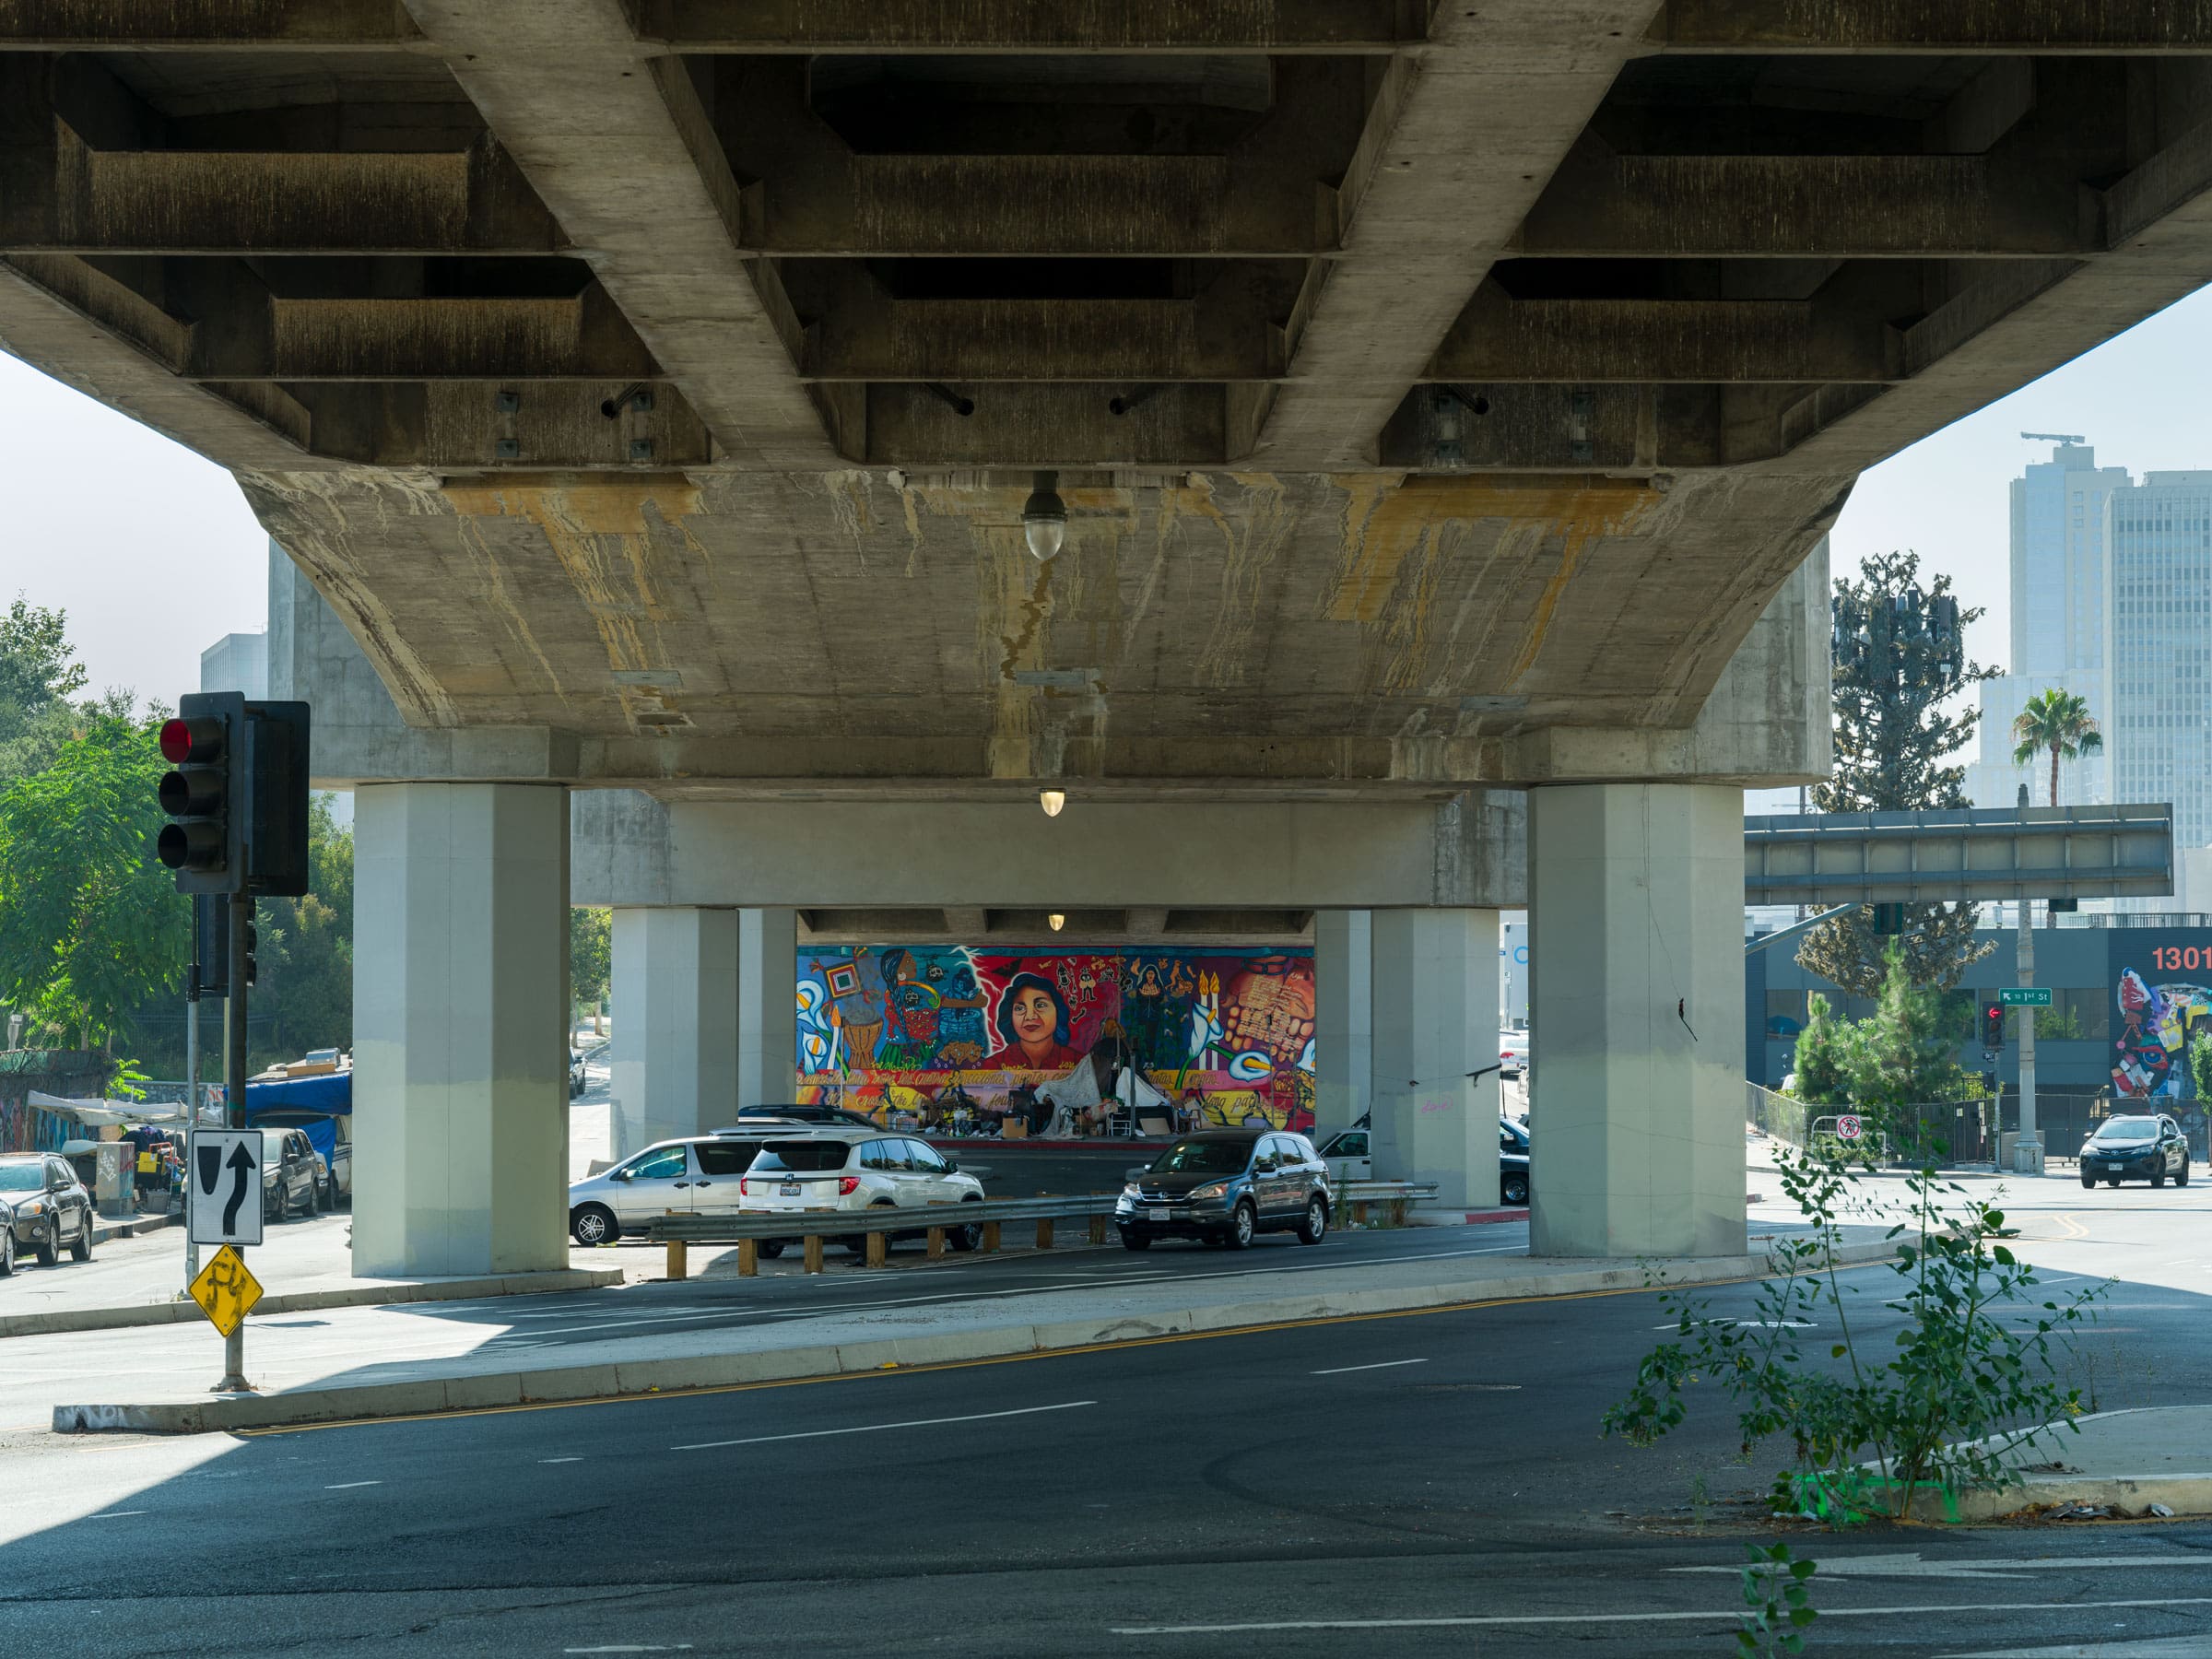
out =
column 1067, row 1043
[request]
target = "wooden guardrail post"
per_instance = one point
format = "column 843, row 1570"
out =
column 989, row 1237
column 1097, row 1230
column 936, row 1242
column 1044, row 1234
column 749, row 1258
column 879, row 1248
column 679, row 1259
column 814, row 1252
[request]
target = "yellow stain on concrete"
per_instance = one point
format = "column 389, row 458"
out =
column 602, row 533
column 1252, row 539
column 1387, row 522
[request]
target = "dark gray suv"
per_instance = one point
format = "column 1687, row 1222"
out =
column 1223, row 1186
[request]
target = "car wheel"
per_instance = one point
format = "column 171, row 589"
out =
column 2158, row 1179
column 2180, row 1176
column 593, row 1224
column 1132, row 1240
column 7, row 1251
column 1513, row 1189
column 1242, row 1224
column 770, row 1249
column 2089, row 1180
column 2111, row 1180
column 48, row 1249
column 968, row 1235
column 81, row 1247
column 326, row 1196
column 1315, row 1228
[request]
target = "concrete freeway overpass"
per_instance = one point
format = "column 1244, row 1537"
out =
column 1446, row 402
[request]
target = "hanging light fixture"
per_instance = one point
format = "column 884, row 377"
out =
column 1057, row 919
column 1051, row 800
column 1044, row 518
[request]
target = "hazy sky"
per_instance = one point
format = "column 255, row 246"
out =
column 105, row 519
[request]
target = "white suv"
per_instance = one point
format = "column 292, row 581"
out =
column 836, row 1168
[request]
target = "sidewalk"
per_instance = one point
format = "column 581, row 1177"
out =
column 302, row 1264
column 2121, row 1462
column 329, row 1374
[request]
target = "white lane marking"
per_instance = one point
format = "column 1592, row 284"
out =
column 681, row 1647
column 1379, row 1365
column 543, row 1460
column 118, row 1514
column 980, row 1416
column 1719, row 1616
column 347, row 1486
column 1913, row 1564
column 2156, row 1647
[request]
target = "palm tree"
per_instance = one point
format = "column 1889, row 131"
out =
column 2057, row 721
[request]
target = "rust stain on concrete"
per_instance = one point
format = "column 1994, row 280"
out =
column 1386, row 523
column 603, row 534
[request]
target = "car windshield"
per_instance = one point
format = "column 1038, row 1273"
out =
column 2128, row 1129
column 22, row 1178
column 801, row 1156
column 1203, row 1158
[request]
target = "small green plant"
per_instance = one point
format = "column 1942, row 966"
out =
column 1969, row 1378
column 1701, row 1500
column 1778, row 1594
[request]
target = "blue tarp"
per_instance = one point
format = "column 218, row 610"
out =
column 330, row 1094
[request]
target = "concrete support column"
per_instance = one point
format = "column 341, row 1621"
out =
column 768, row 977
column 1342, row 1018
column 461, row 997
column 1636, row 983
column 675, row 995
column 1435, row 988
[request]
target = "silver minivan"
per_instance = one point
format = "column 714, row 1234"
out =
column 695, row 1175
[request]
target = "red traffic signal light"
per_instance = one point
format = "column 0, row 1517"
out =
column 203, row 796
column 1993, row 1025
column 192, row 742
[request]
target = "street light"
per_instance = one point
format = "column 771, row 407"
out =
column 1051, row 800
column 1044, row 518
column 1058, row 921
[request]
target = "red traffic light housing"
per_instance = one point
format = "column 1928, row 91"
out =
column 1993, row 1025
column 237, row 797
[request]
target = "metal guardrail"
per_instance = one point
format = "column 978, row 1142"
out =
column 814, row 1228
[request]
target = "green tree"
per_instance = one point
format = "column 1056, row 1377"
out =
column 36, row 679
column 2059, row 722
column 2200, row 1065
column 90, row 924
column 590, row 954
column 1895, row 727
column 1907, row 1049
column 1822, row 1057
column 307, row 945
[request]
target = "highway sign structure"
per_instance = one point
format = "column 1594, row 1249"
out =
column 223, row 1186
column 2024, row 996
column 225, row 1290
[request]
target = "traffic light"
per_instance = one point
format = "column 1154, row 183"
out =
column 203, row 793
column 237, row 795
column 1993, row 1025
column 1889, row 920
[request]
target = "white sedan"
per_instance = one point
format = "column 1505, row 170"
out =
column 837, row 1169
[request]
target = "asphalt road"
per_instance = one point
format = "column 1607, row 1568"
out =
column 1434, row 1483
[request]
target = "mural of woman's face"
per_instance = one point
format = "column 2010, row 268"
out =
column 1035, row 1018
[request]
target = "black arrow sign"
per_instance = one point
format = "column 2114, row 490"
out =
column 211, row 1167
column 242, row 1163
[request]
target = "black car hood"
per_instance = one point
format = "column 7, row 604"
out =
column 1176, row 1183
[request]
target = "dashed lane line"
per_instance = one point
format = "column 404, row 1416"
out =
column 977, row 1417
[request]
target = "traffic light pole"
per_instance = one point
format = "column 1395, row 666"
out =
column 192, row 1105
column 2026, row 963
column 234, row 1101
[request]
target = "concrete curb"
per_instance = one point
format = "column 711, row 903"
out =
column 105, row 1228
column 675, row 1374
column 2130, row 1495
column 353, row 1296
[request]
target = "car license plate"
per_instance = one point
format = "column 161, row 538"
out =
column 1157, row 1214
column 789, row 1189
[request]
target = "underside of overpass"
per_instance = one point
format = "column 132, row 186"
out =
column 1443, row 398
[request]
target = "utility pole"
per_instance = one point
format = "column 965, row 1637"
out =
column 240, row 921
column 2024, row 1158
column 192, row 1099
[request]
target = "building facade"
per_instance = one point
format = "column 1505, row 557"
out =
column 2159, row 645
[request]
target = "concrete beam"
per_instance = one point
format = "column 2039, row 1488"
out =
column 1908, row 26
column 195, row 25
column 1335, row 26
column 1589, row 341
column 583, row 338
column 1456, row 146
column 633, row 850
column 619, row 147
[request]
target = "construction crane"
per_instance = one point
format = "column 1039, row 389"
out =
column 2053, row 438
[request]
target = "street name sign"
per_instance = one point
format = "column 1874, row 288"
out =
column 223, row 1183
column 2024, row 996
column 225, row 1290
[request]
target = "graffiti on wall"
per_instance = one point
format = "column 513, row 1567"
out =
column 1064, row 1043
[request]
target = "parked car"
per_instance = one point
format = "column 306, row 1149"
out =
column 43, row 1207
column 839, row 1167
column 1512, row 1162
column 1225, row 1186
column 811, row 1113
column 331, row 1140
column 2135, row 1149
column 1512, row 1052
column 696, row 1175
column 1349, row 1155
column 577, row 1076
column 290, row 1173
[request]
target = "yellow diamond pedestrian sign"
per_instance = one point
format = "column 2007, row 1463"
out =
column 225, row 1291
